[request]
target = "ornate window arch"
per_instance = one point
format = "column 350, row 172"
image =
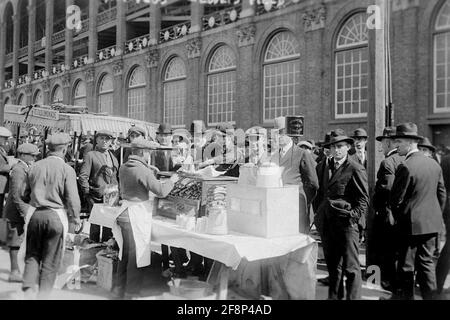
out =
column 221, row 85
column 281, row 76
column 441, row 68
column 106, row 94
column 57, row 94
column 79, row 94
column 352, row 68
column 136, row 93
column 21, row 101
column 38, row 98
column 174, row 85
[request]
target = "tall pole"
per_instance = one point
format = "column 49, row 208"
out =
column 377, row 106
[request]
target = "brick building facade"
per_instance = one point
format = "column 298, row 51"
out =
column 244, row 62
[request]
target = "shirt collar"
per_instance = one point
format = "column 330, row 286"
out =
column 340, row 162
column 411, row 152
column 391, row 152
column 20, row 160
column 288, row 146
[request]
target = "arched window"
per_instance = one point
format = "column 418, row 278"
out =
column 79, row 94
column 281, row 69
column 136, row 94
column 105, row 94
column 221, row 86
column 23, row 16
column 21, row 101
column 175, row 92
column 352, row 68
column 57, row 95
column 442, row 60
column 38, row 98
column 9, row 23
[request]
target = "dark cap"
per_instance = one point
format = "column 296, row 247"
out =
column 425, row 143
column 407, row 130
column 165, row 128
column 338, row 139
column 388, row 133
column 359, row 133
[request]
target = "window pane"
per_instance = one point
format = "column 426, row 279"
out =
column 174, row 102
column 221, row 96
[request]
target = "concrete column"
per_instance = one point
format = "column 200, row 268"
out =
column 93, row 38
column 69, row 41
column 248, row 8
column 31, row 36
column 121, row 28
column 16, row 48
column 197, row 10
column 155, row 22
column 195, row 103
column 2, row 54
column 119, row 104
column 376, row 116
column 48, row 34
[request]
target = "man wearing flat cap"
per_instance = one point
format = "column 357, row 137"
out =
column 16, row 208
column 54, row 202
column 384, row 232
column 344, row 200
column 417, row 201
column 100, row 168
column 359, row 153
column 133, row 133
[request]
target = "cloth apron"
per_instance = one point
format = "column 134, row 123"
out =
column 62, row 215
column 140, row 214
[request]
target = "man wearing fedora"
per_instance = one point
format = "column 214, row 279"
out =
column 427, row 149
column 417, row 200
column 384, row 231
column 162, row 159
column 359, row 153
column 299, row 169
column 100, row 168
column 16, row 208
column 54, row 202
column 344, row 201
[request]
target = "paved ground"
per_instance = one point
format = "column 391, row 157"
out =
column 154, row 286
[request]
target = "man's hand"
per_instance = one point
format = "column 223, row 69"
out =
column 76, row 222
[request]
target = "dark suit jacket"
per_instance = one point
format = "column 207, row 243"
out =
column 93, row 175
column 16, row 208
column 4, row 171
column 344, row 197
column 418, row 195
column 356, row 159
column 445, row 164
column 385, row 180
column 299, row 169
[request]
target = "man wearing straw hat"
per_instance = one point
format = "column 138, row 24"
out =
column 417, row 200
column 16, row 208
column 345, row 199
column 54, row 201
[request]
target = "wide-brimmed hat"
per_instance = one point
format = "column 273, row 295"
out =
column 136, row 129
column 425, row 143
column 359, row 133
column 4, row 132
column 105, row 133
column 57, row 139
column 407, row 130
column 388, row 133
column 28, row 148
column 141, row 143
column 337, row 139
column 305, row 144
column 334, row 133
column 165, row 128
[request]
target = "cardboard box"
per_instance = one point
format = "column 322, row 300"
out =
column 263, row 212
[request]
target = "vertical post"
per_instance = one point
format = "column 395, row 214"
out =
column 17, row 139
column 48, row 34
column 377, row 105
column 93, row 38
column 69, row 41
column 155, row 22
column 2, row 65
column 197, row 10
column 16, row 48
column 121, row 31
column 44, row 150
column 31, row 37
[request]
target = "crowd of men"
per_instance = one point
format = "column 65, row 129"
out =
column 45, row 197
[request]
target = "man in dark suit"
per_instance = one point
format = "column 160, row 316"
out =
column 100, row 168
column 443, row 264
column 359, row 153
column 384, row 225
column 344, row 202
column 5, row 168
column 162, row 159
column 417, row 200
column 299, row 169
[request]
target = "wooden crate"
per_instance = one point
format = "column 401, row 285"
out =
column 263, row 212
column 107, row 269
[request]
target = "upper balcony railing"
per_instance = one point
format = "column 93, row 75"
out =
column 58, row 37
column 80, row 61
column 22, row 79
column 106, row 16
column 270, row 6
column 9, row 84
column 23, row 52
column 136, row 44
column 58, row 68
column 106, row 53
column 174, row 32
column 221, row 18
column 133, row 6
column 40, row 74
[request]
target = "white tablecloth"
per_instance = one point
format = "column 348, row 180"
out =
column 229, row 249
